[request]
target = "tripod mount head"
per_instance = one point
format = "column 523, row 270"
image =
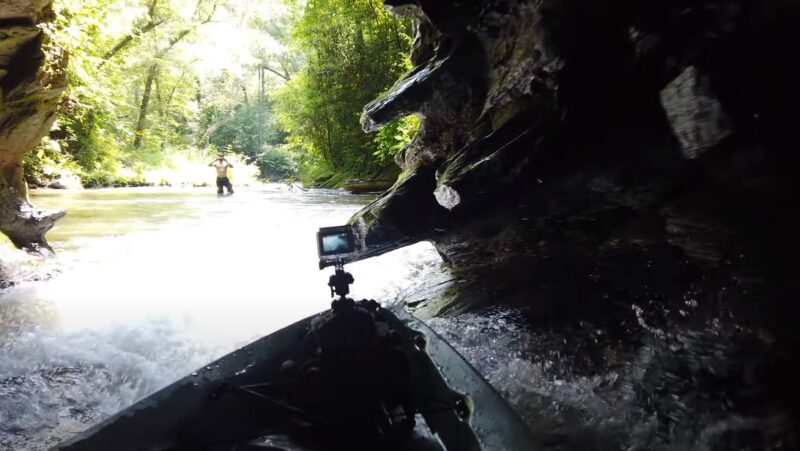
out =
column 340, row 281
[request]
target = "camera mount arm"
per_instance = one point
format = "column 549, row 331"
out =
column 340, row 281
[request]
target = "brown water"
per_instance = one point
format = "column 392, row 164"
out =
column 150, row 284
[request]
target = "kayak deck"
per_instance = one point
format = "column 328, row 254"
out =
column 372, row 379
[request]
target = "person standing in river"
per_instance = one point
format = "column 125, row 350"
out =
column 222, row 165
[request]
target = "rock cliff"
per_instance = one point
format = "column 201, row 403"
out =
column 32, row 79
column 625, row 167
column 578, row 149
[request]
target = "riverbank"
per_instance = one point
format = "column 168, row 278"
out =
column 322, row 177
column 177, row 171
column 188, row 172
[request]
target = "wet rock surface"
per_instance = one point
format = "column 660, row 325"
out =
column 607, row 163
column 32, row 79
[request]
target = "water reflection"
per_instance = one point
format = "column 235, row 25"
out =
column 149, row 284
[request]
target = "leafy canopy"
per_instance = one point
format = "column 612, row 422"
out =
column 280, row 82
column 355, row 50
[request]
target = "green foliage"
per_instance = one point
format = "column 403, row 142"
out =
column 355, row 50
column 394, row 136
column 89, row 141
column 322, row 176
column 277, row 163
column 280, row 82
column 122, row 52
column 316, row 174
column 45, row 163
column 245, row 130
column 106, row 179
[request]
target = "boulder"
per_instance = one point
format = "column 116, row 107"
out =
column 695, row 114
column 68, row 180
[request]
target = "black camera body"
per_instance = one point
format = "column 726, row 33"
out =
column 335, row 245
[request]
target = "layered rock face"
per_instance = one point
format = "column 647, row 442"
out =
column 579, row 151
column 32, row 79
column 627, row 168
column 576, row 150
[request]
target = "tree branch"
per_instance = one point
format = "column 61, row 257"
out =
column 182, row 34
column 206, row 136
column 174, row 87
column 284, row 76
column 127, row 40
column 149, row 26
column 124, row 42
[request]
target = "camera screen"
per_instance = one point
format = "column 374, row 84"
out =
column 336, row 244
column 335, row 241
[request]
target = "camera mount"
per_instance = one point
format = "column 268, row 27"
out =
column 340, row 281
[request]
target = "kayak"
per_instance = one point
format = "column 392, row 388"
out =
column 356, row 377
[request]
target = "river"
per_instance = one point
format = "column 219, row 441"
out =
column 149, row 284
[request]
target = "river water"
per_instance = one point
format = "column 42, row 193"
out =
column 149, row 284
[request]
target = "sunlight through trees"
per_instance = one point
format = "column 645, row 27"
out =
column 279, row 82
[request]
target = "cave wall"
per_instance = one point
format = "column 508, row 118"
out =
column 573, row 152
column 32, row 79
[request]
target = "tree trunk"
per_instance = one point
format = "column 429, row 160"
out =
column 140, row 123
column 151, row 74
column 159, row 100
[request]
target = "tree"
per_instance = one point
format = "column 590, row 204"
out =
column 144, row 83
column 128, row 59
column 200, row 17
column 355, row 50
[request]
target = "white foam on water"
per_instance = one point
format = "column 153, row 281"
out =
column 158, row 284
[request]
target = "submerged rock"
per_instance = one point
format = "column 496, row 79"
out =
column 694, row 112
column 32, row 79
